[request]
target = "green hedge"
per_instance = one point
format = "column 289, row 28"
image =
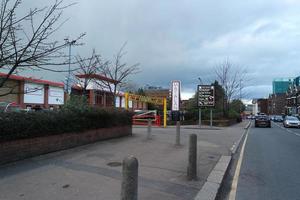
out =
column 35, row 124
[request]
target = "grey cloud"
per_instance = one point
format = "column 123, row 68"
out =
column 175, row 39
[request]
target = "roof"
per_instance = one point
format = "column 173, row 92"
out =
column 32, row 80
column 98, row 77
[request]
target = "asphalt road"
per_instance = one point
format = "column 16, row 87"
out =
column 271, row 165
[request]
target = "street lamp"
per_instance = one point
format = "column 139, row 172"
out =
column 199, row 109
column 240, row 96
column 200, row 80
column 69, row 43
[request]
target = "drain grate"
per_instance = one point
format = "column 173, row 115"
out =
column 114, row 164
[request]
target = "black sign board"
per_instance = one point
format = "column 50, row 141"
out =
column 206, row 96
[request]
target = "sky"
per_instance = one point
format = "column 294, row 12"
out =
column 186, row 39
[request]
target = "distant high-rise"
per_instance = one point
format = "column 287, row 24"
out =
column 281, row 85
column 296, row 81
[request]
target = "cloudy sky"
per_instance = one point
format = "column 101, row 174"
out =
column 186, row 39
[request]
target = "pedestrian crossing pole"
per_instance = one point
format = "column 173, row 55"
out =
column 165, row 112
column 211, row 118
column 200, row 117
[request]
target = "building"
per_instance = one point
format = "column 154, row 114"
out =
column 296, row 81
column 97, row 89
column 161, row 93
column 32, row 93
column 91, row 86
column 260, row 106
column 276, row 104
column 293, row 100
column 249, row 109
column 158, row 92
column 281, row 85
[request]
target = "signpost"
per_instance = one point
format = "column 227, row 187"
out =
column 175, row 95
column 176, row 99
column 206, row 98
column 176, row 108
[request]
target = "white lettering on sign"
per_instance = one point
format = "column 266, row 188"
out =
column 34, row 93
column 206, row 96
column 175, row 95
column 56, row 96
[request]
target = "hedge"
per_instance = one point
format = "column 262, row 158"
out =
column 15, row 126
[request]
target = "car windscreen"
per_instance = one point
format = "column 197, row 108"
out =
column 292, row 118
column 262, row 117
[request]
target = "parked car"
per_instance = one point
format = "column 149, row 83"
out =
column 278, row 118
column 290, row 121
column 9, row 107
column 262, row 121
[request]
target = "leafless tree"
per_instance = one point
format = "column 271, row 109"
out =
column 118, row 71
column 87, row 69
column 231, row 77
column 27, row 41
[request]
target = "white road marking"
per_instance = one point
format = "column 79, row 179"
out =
column 232, row 194
column 287, row 130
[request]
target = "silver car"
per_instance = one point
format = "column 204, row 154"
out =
column 290, row 121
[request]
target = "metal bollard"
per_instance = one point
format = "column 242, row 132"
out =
column 178, row 133
column 192, row 165
column 149, row 128
column 129, row 189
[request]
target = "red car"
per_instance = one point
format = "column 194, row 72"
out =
column 9, row 107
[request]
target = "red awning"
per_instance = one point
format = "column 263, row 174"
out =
column 97, row 77
column 32, row 80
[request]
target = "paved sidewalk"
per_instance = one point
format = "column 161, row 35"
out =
column 92, row 171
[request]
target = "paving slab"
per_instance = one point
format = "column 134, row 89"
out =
column 94, row 171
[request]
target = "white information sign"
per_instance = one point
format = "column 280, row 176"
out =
column 175, row 95
column 34, row 93
column 56, row 96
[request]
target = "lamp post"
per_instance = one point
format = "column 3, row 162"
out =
column 240, row 96
column 200, row 114
column 69, row 43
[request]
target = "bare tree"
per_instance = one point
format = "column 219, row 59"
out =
column 231, row 78
column 118, row 72
column 87, row 70
column 26, row 42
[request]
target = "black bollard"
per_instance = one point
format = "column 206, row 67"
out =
column 178, row 133
column 149, row 129
column 192, row 165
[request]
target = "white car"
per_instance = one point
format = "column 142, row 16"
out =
column 290, row 121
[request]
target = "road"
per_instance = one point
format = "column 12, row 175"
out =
column 270, row 166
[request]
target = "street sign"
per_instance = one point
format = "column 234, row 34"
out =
column 175, row 95
column 206, row 96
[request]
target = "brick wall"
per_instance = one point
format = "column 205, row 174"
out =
column 8, row 86
column 20, row 149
